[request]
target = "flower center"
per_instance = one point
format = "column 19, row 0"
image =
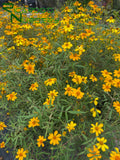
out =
column 101, row 142
column 54, row 137
column 117, row 157
column 21, row 155
column 96, row 128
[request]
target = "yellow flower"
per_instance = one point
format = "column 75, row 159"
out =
column 94, row 111
column 105, row 73
column 2, row 145
column 96, row 128
column 21, row 154
column 68, row 28
column 34, row 86
column 110, row 20
column 94, row 153
column 52, row 94
column 95, row 101
column 93, row 78
column 40, row 141
column 33, row 122
column 70, row 126
column 11, row 96
column 116, row 83
column 54, row 138
column 117, row 73
column 77, row 79
column 48, row 101
column 106, row 87
column 29, row 68
column 77, row 93
column 59, row 49
column 2, row 126
column 50, row 81
column 68, row 90
column 67, row 9
column 67, row 45
column 80, row 49
column 115, row 155
column 116, row 104
column 32, row 57
column 84, row 79
column 101, row 144
column 74, row 57
column 72, row 74
column 25, row 129
column 64, row 133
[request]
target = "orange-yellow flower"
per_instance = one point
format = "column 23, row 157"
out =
column 2, row 145
column 106, row 87
column 101, row 144
column 2, row 126
column 29, row 68
column 54, row 138
column 115, row 155
column 77, row 93
column 93, row 78
column 52, row 94
column 34, row 122
column 40, row 141
column 11, row 96
column 34, row 86
column 68, row 90
column 70, row 126
column 74, row 57
column 21, row 154
column 50, row 81
column 116, row 104
column 94, row 154
column 96, row 128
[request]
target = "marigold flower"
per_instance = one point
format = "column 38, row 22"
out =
column 68, row 90
column 34, row 86
column 29, row 68
column 67, row 45
column 54, row 138
column 115, row 155
column 40, row 141
column 2, row 145
column 101, row 144
column 94, row 153
column 70, row 126
column 34, row 122
column 21, row 154
column 11, row 96
column 74, row 57
column 117, row 73
column 116, row 83
column 116, row 104
column 94, row 111
column 106, row 87
column 50, row 81
column 52, row 94
column 93, row 78
column 68, row 27
column 2, row 125
column 77, row 79
column 77, row 93
column 105, row 73
column 96, row 128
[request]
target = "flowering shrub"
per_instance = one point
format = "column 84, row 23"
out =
column 60, row 86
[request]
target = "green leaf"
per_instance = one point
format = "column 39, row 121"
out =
column 76, row 112
column 68, row 108
column 66, row 116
